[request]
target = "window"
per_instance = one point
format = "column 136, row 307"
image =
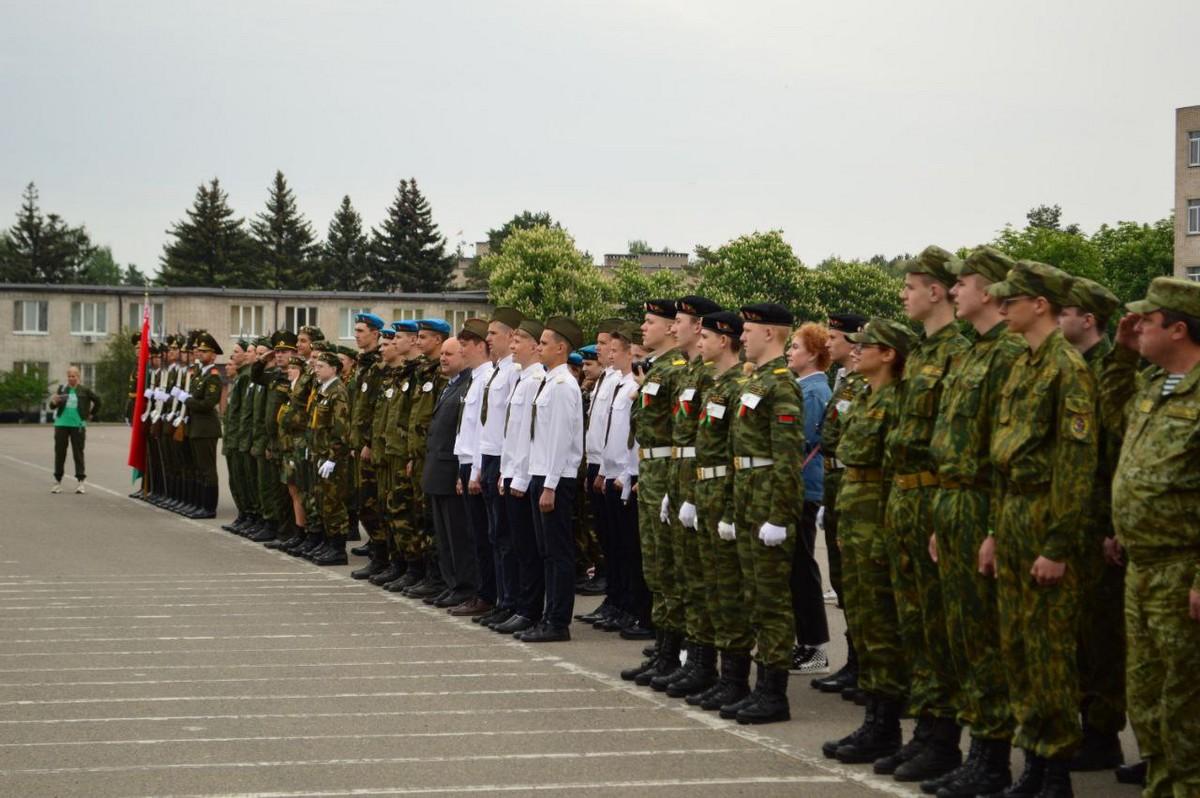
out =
column 246, row 320
column 1194, row 148
column 408, row 314
column 1193, row 273
column 1193, row 227
column 156, row 318
column 457, row 317
column 31, row 316
column 297, row 316
column 24, row 367
column 87, row 373
column 89, row 318
column 348, row 314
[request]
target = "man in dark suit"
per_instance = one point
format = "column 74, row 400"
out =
column 440, row 481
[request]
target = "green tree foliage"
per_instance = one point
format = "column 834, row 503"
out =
column 541, row 273
column 1049, row 217
column 759, row 267
column 24, row 392
column 866, row 288
column 1133, row 254
column 210, row 247
column 133, row 276
column 408, row 251
column 629, row 287
column 42, row 248
column 112, row 375
column 101, row 269
column 525, row 220
column 283, row 241
column 1070, row 251
column 345, row 259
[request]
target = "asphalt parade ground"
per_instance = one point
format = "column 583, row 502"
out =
column 145, row 654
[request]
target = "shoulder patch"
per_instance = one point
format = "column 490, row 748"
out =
column 679, row 362
column 780, row 371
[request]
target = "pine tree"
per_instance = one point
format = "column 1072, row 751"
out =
column 345, row 255
column 283, row 239
column 43, row 248
column 409, row 253
column 210, row 247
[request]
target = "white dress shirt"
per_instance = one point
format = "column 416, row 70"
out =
column 466, row 442
column 615, row 463
column 556, row 449
column 498, row 388
column 514, row 458
column 602, row 395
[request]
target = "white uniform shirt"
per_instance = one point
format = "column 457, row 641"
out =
column 602, row 394
column 498, row 388
column 466, row 442
column 514, row 459
column 620, row 460
column 556, row 449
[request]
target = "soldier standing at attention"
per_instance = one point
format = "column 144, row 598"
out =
column 767, row 444
column 1044, row 448
column 846, row 385
column 204, row 424
column 1156, row 501
column 962, row 511
column 330, row 425
column 388, row 365
column 364, row 388
column 231, row 422
column 1084, row 322
column 406, row 566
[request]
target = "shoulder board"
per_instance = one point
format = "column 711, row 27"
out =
column 932, row 371
column 560, row 379
column 779, row 371
column 679, row 362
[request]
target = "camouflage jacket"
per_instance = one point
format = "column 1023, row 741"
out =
column 694, row 381
column 1110, row 434
column 427, row 383
column 397, row 410
column 364, row 387
column 295, row 419
column 652, row 417
column 387, row 391
column 1156, row 489
column 330, row 423
column 962, row 434
column 863, row 445
column 925, row 372
column 718, row 405
column 1045, row 438
column 769, row 422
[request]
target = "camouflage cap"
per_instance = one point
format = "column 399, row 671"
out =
column 628, row 330
column 610, row 325
column 313, row 333
column 988, row 262
column 934, row 262
column 262, row 340
column 1170, row 293
column 330, row 359
column 347, row 351
column 323, row 346
column 296, row 360
column 1091, row 297
column 567, row 328
column 885, row 332
column 1030, row 278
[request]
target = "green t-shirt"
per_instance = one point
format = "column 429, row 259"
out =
column 70, row 415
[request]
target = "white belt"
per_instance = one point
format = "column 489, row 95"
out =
column 752, row 462
column 656, row 452
column 711, row 473
column 683, row 452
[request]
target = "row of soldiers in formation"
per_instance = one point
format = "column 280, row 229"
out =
column 970, row 484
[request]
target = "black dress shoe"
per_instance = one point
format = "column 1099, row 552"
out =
column 1132, row 774
column 546, row 634
column 637, row 631
column 451, row 599
column 434, row 598
column 515, row 624
column 596, row 586
column 334, row 555
column 492, row 615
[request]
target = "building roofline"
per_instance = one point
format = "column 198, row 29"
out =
column 235, row 293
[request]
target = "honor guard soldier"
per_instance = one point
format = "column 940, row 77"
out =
column 364, row 393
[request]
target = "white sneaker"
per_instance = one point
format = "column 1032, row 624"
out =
column 57, row 488
column 809, row 660
column 80, row 487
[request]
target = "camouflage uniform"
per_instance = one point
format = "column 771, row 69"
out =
column 295, row 422
column 426, row 385
column 1156, row 503
column 871, row 615
column 909, row 521
column 364, row 387
column 695, row 380
column 1044, row 448
column 769, row 423
column 330, row 425
column 962, row 517
column 845, row 388
column 651, row 426
column 389, row 433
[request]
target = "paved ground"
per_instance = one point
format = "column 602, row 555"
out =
column 142, row 654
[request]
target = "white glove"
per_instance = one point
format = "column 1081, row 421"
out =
column 726, row 530
column 184, row 396
column 687, row 515
column 161, row 396
column 326, row 468
column 177, row 422
column 148, row 392
column 664, row 512
column 772, row 535
column 821, row 518
column 175, row 391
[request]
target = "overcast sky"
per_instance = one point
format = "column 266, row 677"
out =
column 855, row 127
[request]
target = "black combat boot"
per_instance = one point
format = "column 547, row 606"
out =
column 730, row 711
column 771, row 706
column 313, row 541
column 881, row 740
column 830, row 747
column 1057, row 781
column 376, row 565
column 734, row 684
column 236, row 523
column 296, row 538
column 931, row 785
column 413, row 573
column 395, row 567
column 846, row 676
column 1099, row 751
column 1029, row 783
column 938, row 756
column 887, row 765
column 664, row 680
column 334, row 552
column 991, row 775
column 630, row 674
column 702, row 676
column 666, row 662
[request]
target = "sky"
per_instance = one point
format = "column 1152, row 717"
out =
column 855, row 127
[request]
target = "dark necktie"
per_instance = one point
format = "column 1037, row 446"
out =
column 486, row 390
column 508, row 407
column 533, row 421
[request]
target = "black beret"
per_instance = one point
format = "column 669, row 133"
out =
column 696, row 306
column 768, row 313
column 723, row 322
column 661, row 307
column 846, row 322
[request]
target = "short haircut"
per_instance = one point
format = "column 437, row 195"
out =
column 1172, row 317
column 815, row 338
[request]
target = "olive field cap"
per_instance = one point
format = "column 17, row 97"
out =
column 1091, row 297
column 885, row 332
column 1170, row 293
column 531, row 327
column 509, row 317
column 1033, row 279
column 567, row 328
column 610, row 325
column 988, row 262
column 347, row 351
column 934, row 262
column 475, row 327
column 628, row 331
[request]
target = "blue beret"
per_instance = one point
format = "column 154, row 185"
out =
column 388, row 332
column 589, row 352
column 436, row 325
column 575, row 359
column 405, row 326
column 370, row 319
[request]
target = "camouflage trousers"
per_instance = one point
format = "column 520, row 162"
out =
column 832, row 480
column 1101, row 642
column 1038, row 627
column 723, row 618
column 418, row 539
column 331, row 493
column 973, row 627
column 917, row 588
column 870, row 604
column 1164, row 695
column 766, row 570
column 366, row 500
column 690, row 563
column 658, row 563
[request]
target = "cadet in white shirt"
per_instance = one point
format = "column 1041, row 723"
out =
column 555, row 453
column 593, row 443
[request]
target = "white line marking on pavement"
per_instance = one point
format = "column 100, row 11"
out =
column 189, row 638
column 210, row 651
column 258, row 665
column 304, row 624
column 402, row 713
column 291, row 697
column 273, row 679
column 264, row 614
